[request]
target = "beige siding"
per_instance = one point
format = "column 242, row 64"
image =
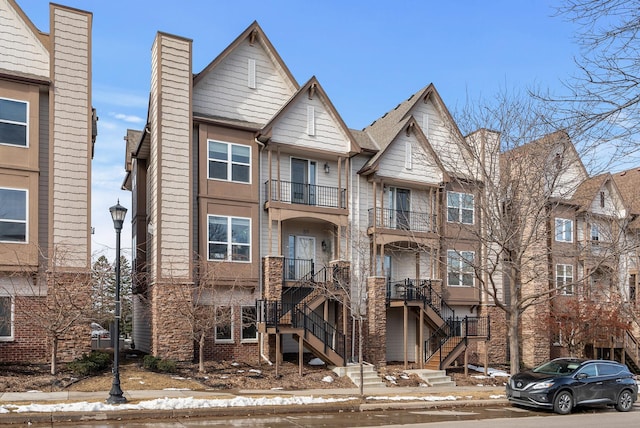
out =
column 395, row 336
column 291, row 128
column 423, row 169
column 224, row 91
column 439, row 134
column 174, row 226
column 71, row 175
column 44, row 177
column 141, row 324
column 152, row 173
column 21, row 50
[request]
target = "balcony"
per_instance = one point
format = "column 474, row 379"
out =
column 305, row 194
column 413, row 221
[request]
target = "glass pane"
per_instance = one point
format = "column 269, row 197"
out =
column 453, row 278
column 453, row 199
column 218, row 151
column 15, row 111
column 240, row 173
column 13, row 204
column 240, row 253
column 223, row 323
column 240, row 154
column 13, row 134
column 218, row 170
column 453, row 214
column 217, row 251
column 240, row 230
column 13, row 232
column 467, row 201
column 218, row 229
column 467, row 280
column 467, row 216
column 249, row 330
column 5, row 316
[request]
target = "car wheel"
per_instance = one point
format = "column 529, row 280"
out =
column 563, row 403
column 625, row 401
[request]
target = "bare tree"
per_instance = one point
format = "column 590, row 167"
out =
column 603, row 99
column 56, row 302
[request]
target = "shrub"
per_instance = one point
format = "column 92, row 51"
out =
column 89, row 364
column 158, row 364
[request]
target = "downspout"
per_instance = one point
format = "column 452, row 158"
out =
column 260, row 289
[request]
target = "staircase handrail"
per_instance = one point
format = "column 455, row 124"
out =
column 455, row 327
column 422, row 290
column 321, row 329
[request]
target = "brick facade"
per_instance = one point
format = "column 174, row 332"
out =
column 171, row 335
column 376, row 348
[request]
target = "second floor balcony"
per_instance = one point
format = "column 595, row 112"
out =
column 305, row 194
column 413, row 221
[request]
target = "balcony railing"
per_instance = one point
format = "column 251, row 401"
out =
column 402, row 220
column 296, row 269
column 305, row 194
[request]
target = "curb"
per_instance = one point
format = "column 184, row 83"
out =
column 132, row 415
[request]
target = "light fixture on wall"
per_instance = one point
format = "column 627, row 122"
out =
column 324, row 246
column 326, row 168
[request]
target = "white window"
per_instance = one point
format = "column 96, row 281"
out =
column 595, row 232
column 408, row 156
column 6, row 318
column 249, row 328
column 460, row 207
column 460, row 268
column 564, row 230
column 224, row 324
column 229, row 238
column 229, row 162
column 564, row 279
column 13, row 215
column 251, row 73
column 311, row 120
column 13, row 122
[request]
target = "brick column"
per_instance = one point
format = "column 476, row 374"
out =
column 376, row 346
column 273, row 277
column 171, row 332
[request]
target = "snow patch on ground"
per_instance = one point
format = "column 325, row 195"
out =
column 414, row 398
column 490, row 372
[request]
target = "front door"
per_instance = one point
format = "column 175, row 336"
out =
column 303, row 181
column 302, row 254
column 399, row 203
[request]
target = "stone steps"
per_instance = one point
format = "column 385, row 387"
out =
column 370, row 376
column 433, row 377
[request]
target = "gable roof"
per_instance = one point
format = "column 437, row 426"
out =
column 256, row 35
column 587, row 191
column 408, row 125
column 628, row 183
column 312, row 89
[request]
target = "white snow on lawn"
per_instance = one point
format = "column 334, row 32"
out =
column 414, row 398
column 490, row 372
column 170, row 404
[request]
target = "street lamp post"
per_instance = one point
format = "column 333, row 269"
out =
column 118, row 213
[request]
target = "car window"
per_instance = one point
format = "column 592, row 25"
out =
column 589, row 370
column 609, row 369
column 558, row 367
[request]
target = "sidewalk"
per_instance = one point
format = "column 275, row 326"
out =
column 50, row 407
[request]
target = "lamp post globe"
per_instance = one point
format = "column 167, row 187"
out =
column 118, row 213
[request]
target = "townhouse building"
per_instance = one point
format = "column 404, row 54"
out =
column 47, row 132
column 306, row 223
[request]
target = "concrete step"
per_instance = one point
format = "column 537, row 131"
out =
column 370, row 376
column 433, row 377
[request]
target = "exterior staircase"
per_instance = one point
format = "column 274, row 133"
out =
column 433, row 377
column 370, row 377
column 295, row 314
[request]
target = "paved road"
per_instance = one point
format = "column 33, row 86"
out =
column 487, row 417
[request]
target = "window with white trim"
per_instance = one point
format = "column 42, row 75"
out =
column 229, row 162
column 229, row 238
column 13, row 122
column 460, row 268
column 13, row 215
column 460, row 207
column 249, row 330
column 564, row 230
column 595, row 233
column 224, row 324
column 564, row 279
column 6, row 318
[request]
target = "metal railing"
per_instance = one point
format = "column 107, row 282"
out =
column 420, row 290
column 295, row 269
column 455, row 327
column 402, row 220
column 305, row 194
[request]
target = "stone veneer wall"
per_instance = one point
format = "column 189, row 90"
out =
column 497, row 347
column 273, row 277
column 376, row 349
column 171, row 336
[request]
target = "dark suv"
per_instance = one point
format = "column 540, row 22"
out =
column 564, row 383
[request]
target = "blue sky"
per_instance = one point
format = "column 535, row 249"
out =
column 368, row 56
